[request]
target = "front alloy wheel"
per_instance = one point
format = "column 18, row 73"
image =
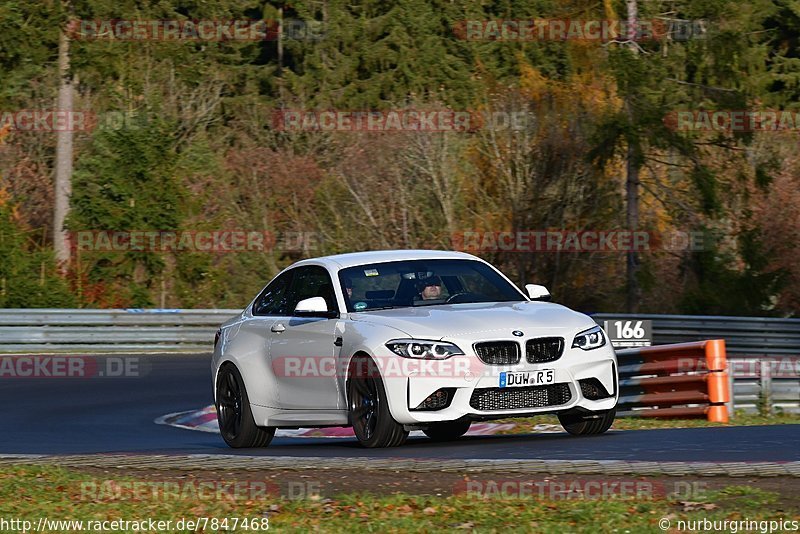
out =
column 372, row 422
column 236, row 423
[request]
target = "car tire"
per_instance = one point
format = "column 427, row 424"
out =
column 236, row 423
column 587, row 424
column 448, row 430
column 370, row 417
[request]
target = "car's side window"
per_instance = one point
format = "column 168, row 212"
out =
column 274, row 299
column 311, row 281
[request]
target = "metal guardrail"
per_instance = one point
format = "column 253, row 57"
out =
column 117, row 330
column 763, row 354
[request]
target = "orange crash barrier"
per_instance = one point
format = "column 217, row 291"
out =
column 675, row 381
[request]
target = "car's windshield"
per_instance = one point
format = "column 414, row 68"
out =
column 423, row 283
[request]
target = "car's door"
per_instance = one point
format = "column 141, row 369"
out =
column 254, row 334
column 304, row 350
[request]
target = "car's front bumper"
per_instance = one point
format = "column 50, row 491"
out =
column 470, row 378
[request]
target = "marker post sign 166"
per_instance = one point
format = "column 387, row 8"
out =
column 629, row 332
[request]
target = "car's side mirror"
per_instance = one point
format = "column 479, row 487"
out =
column 314, row 307
column 537, row 292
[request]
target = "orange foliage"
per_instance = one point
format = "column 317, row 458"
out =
column 95, row 294
column 281, row 178
column 777, row 216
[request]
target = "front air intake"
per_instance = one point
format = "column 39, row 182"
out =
column 438, row 400
column 491, row 399
column 592, row 389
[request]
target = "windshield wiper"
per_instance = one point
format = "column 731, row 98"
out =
column 380, row 308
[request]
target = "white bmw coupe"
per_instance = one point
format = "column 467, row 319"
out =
column 392, row 341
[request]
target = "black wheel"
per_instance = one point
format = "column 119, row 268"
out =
column 372, row 422
column 236, row 423
column 447, row 431
column 587, row 424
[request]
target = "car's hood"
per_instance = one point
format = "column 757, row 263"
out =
column 480, row 320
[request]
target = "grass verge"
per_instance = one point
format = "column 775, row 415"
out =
column 29, row 493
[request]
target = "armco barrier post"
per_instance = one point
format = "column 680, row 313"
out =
column 718, row 393
column 765, row 381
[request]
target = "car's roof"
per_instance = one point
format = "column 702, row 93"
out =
column 343, row 261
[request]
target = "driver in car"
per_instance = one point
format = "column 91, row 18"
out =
column 348, row 287
column 430, row 288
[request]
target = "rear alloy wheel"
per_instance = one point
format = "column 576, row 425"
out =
column 236, row 423
column 587, row 424
column 448, row 430
column 372, row 422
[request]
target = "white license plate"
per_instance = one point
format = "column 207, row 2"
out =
column 513, row 379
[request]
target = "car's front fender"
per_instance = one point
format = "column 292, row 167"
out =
column 368, row 338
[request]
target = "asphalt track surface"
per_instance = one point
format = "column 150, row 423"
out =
column 115, row 415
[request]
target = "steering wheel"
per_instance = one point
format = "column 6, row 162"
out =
column 458, row 298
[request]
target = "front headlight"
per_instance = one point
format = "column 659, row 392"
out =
column 423, row 349
column 593, row 338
